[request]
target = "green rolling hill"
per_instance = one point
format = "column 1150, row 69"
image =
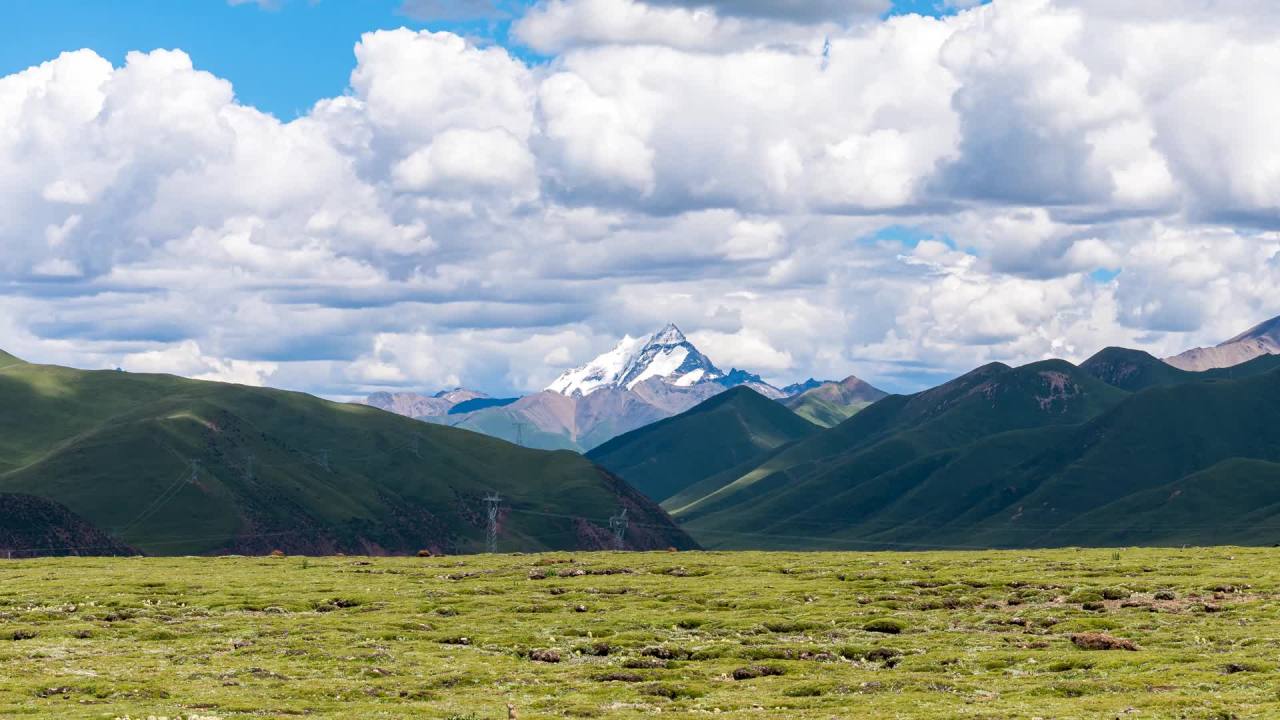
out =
column 1133, row 370
column 1042, row 455
column 174, row 466
column 667, row 457
column 808, row 478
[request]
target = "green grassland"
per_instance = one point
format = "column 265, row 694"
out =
column 626, row 635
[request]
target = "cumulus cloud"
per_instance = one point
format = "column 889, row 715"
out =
column 554, row 26
column 186, row 359
column 807, row 189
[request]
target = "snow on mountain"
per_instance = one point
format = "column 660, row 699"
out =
column 638, row 382
column 736, row 378
column 666, row 354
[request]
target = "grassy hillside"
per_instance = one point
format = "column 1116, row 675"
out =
column 1240, row 495
column 1156, row 438
column 666, row 457
column 1041, row 455
column 804, row 478
column 812, row 636
column 174, row 466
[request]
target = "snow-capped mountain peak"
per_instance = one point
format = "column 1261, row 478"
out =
column 669, row 335
column 602, row 372
column 666, row 354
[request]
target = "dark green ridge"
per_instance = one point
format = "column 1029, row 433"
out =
column 668, row 456
column 1042, row 455
column 287, row 470
column 1135, row 370
column 837, row 483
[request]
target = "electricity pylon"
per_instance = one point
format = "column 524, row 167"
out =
column 618, row 524
column 491, row 502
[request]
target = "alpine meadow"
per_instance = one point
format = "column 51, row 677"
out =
column 524, row 359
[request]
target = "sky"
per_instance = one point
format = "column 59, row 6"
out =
column 342, row 197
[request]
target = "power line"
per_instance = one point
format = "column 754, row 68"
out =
column 164, row 497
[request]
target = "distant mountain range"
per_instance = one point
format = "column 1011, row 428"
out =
column 831, row 403
column 106, row 462
column 415, row 405
column 1262, row 339
column 638, row 382
column 1123, row 449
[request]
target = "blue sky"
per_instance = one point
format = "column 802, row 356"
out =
column 280, row 59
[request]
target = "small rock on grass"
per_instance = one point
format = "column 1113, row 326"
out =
column 754, row 671
column 1101, row 641
column 546, row 656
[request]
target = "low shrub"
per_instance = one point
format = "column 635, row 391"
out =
column 888, row 626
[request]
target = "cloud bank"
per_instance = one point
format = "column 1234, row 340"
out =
column 806, row 190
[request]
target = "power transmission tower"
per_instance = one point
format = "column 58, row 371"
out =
column 491, row 502
column 248, row 466
column 520, row 433
column 324, row 458
column 618, row 524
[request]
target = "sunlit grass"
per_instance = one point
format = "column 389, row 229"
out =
column 844, row 635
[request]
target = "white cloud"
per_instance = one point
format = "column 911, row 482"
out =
column 415, row 85
column 465, row 161
column 554, row 26
column 56, row 267
column 750, row 240
column 187, row 359
column 462, row 216
column 70, row 192
column 593, row 140
column 743, row 349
